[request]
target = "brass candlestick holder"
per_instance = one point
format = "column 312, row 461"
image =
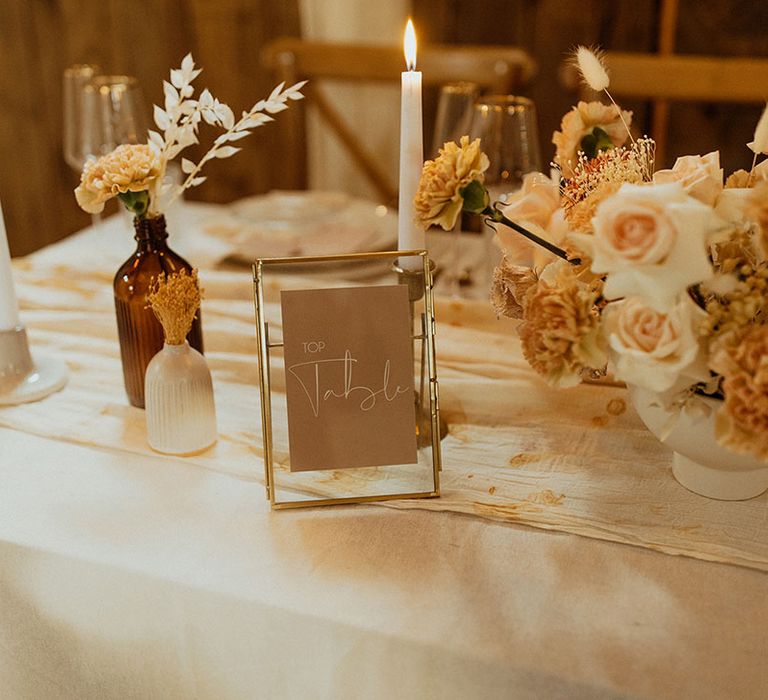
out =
column 23, row 379
column 420, row 283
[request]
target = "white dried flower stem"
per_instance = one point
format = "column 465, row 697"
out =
column 180, row 119
column 275, row 103
column 621, row 116
column 759, row 143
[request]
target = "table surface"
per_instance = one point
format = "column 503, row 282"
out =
column 125, row 574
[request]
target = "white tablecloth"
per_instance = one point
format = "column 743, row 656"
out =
column 124, row 575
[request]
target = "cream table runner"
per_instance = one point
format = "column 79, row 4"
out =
column 577, row 461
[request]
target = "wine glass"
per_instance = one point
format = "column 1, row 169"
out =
column 454, row 112
column 508, row 132
column 452, row 121
column 101, row 113
column 506, row 126
column 117, row 110
column 76, row 132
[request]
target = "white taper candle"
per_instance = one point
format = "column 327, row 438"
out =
column 9, row 308
column 410, row 235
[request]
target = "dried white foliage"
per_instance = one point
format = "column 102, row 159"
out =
column 760, row 142
column 179, row 119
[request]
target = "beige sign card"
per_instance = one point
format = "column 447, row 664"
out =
column 349, row 377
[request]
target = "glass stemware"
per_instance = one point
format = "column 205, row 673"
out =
column 454, row 113
column 101, row 112
column 116, row 108
column 76, row 138
column 507, row 128
column 506, row 125
column 452, row 121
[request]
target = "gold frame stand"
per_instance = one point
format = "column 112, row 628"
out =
column 429, row 428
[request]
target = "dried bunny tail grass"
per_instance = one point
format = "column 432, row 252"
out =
column 590, row 65
column 175, row 299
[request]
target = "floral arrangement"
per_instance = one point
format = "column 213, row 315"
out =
column 135, row 173
column 661, row 276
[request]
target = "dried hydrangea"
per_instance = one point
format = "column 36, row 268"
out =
column 745, row 304
column 560, row 333
column 510, row 285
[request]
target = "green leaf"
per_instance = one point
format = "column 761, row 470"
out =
column 135, row 202
column 595, row 141
column 475, row 196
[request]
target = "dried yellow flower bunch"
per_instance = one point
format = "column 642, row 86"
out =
column 595, row 179
column 175, row 299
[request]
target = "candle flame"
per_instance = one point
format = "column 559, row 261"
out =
column 409, row 46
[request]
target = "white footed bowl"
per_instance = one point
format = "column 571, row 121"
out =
column 700, row 463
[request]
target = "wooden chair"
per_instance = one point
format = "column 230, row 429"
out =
column 499, row 68
column 680, row 78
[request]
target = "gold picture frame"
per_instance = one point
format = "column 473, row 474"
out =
column 358, row 484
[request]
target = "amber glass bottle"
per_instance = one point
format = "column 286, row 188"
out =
column 140, row 333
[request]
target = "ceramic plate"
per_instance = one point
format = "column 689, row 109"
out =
column 289, row 224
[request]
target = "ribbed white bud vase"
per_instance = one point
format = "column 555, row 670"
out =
column 178, row 393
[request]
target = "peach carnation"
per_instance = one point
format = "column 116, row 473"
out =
column 580, row 122
column 560, row 334
column 742, row 423
column 439, row 199
column 129, row 168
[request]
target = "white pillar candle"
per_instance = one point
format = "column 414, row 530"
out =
column 410, row 235
column 9, row 309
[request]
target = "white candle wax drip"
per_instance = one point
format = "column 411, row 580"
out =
column 9, row 309
column 410, row 235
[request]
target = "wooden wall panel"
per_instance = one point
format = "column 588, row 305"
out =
column 145, row 38
column 549, row 28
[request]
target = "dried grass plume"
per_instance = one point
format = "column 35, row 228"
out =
column 175, row 299
column 590, row 65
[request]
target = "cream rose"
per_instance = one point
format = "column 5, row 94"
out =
column 579, row 122
column 129, row 168
column 652, row 242
column 654, row 350
column 742, row 178
column 536, row 206
column 701, row 176
column 439, row 201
